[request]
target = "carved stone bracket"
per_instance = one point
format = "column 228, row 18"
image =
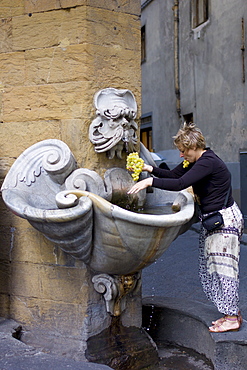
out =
column 115, row 289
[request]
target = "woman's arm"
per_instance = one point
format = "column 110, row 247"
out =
column 196, row 173
column 156, row 171
column 199, row 170
column 175, row 173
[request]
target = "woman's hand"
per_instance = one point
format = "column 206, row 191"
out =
column 140, row 185
column 147, row 167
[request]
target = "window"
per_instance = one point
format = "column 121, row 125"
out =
column 146, row 138
column 146, row 131
column 143, row 44
column 199, row 12
column 188, row 117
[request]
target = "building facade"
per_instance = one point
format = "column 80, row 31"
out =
column 193, row 68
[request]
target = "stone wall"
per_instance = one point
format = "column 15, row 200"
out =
column 54, row 56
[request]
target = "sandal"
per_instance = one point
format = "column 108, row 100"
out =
column 219, row 321
column 240, row 318
column 224, row 325
column 222, row 319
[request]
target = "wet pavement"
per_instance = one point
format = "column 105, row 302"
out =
column 179, row 358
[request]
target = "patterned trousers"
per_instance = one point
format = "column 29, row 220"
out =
column 219, row 261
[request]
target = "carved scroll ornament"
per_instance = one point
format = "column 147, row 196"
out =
column 115, row 289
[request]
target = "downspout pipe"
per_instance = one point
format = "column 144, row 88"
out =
column 243, row 50
column 176, row 56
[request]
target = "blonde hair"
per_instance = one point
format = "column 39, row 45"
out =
column 189, row 137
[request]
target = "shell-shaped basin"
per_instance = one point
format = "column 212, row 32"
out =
column 87, row 225
column 125, row 242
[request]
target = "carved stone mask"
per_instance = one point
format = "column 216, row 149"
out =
column 114, row 128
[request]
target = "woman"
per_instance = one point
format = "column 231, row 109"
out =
column 219, row 249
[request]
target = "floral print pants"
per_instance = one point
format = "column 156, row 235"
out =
column 219, row 261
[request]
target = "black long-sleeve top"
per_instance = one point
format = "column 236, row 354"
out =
column 208, row 176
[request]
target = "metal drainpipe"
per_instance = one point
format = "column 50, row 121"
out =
column 176, row 56
column 243, row 50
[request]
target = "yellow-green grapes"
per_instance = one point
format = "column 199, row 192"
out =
column 185, row 163
column 135, row 164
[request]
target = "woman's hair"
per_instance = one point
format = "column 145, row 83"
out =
column 189, row 137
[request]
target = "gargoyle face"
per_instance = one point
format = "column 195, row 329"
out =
column 114, row 130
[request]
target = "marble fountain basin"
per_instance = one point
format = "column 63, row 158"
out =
column 125, row 242
column 86, row 225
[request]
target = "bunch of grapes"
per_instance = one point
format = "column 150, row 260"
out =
column 185, row 163
column 134, row 163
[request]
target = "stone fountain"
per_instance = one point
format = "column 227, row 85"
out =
column 94, row 220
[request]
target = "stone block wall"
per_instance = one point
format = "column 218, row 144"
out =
column 54, row 56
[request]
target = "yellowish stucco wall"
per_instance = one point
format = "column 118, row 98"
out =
column 54, row 56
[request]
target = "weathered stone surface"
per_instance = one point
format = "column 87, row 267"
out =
column 42, row 6
column 11, row 8
column 73, row 286
column 4, row 304
column 64, row 63
column 132, row 7
column 110, row 64
column 120, row 30
column 43, row 30
column 65, row 318
column 72, row 323
column 12, row 70
column 48, row 282
column 43, row 102
column 5, row 164
column 4, row 278
column 74, row 132
column 5, row 35
column 82, row 63
column 30, row 247
column 74, row 27
column 25, row 280
column 17, row 136
column 119, row 5
column 6, row 244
